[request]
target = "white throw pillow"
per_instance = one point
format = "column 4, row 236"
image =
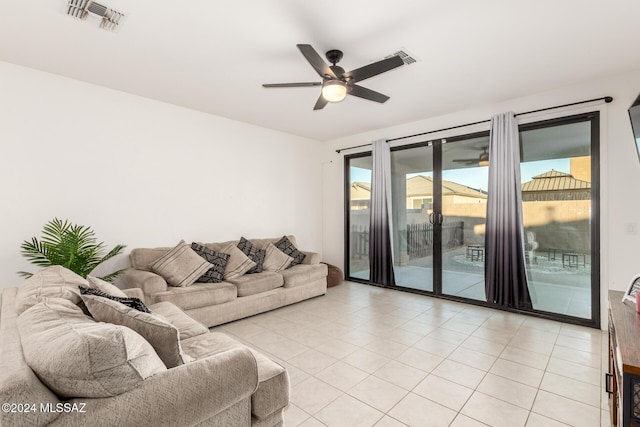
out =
column 275, row 259
column 181, row 266
column 238, row 262
column 105, row 287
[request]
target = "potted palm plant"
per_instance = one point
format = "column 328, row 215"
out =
column 69, row 245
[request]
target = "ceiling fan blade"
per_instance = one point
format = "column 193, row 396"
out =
column 321, row 67
column 320, row 103
column 371, row 95
column 374, row 69
column 305, row 84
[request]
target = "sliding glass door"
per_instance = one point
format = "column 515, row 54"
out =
column 559, row 193
column 358, row 174
column 439, row 200
column 412, row 192
column 464, row 212
column 438, row 217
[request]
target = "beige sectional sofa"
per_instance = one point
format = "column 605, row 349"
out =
column 217, row 303
column 61, row 367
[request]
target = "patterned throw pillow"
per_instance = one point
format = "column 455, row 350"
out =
column 219, row 261
column 129, row 302
column 289, row 248
column 256, row 255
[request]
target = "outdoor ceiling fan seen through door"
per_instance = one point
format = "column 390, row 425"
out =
column 336, row 83
column 481, row 160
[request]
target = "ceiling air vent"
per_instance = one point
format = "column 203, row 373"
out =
column 81, row 9
column 406, row 57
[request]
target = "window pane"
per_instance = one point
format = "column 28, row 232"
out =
column 556, row 198
column 464, row 207
column 359, row 215
column 412, row 198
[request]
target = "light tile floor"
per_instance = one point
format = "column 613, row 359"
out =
column 365, row 356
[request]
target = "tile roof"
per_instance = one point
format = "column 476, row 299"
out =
column 555, row 181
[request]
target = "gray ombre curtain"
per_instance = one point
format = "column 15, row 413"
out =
column 505, row 275
column 380, row 243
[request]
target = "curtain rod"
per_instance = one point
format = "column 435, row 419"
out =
column 606, row 99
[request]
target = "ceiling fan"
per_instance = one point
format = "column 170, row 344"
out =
column 481, row 160
column 336, row 83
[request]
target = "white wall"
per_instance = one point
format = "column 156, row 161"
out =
column 620, row 168
column 141, row 172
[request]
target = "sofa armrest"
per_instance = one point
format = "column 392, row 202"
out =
column 149, row 282
column 134, row 293
column 311, row 258
column 185, row 395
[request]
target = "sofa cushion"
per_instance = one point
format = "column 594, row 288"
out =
column 76, row 356
column 256, row 255
column 218, row 259
column 272, row 393
column 142, row 258
column 131, row 302
column 257, row 283
column 181, row 266
column 50, row 282
column 302, row 274
column 187, row 326
column 198, row 295
column 238, row 263
column 289, row 248
column 162, row 335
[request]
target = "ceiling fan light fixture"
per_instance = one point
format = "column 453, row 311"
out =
column 484, row 159
column 334, row 90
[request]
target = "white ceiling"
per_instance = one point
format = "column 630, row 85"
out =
column 213, row 56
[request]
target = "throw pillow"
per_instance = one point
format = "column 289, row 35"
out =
column 286, row 246
column 105, row 287
column 181, row 266
column 256, row 255
column 75, row 356
column 275, row 259
column 219, row 261
column 134, row 303
column 162, row 335
column 238, row 263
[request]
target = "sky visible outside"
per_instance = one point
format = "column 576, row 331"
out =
column 478, row 177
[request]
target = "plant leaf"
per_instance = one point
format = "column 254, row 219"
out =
column 110, row 277
column 70, row 245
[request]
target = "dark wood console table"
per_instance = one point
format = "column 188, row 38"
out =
column 623, row 379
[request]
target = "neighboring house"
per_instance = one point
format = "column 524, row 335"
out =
column 420, row 193
column 555, row 185
column 360, row 195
